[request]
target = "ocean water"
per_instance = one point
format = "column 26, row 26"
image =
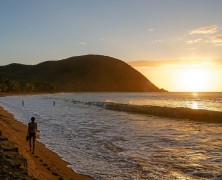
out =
column 119, row 145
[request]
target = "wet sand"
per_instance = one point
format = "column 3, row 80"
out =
column 44, row 164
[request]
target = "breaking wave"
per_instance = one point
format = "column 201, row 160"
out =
column 168, row 112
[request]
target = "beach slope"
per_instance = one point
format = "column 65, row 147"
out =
column 44, row 164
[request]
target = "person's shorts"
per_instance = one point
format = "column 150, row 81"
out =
column 32, row 135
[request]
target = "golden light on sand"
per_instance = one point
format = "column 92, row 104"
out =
column 194, row 79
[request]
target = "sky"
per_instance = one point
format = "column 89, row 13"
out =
column 183, row 38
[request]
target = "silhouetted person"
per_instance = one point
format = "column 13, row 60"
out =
column 22, row 103
column 53, row 103
column 32, row 130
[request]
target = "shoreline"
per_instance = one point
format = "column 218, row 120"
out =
column 44, row 164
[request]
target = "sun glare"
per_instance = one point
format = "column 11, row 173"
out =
column 194, row 79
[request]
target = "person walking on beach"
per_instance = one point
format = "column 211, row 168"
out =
column 32, row 130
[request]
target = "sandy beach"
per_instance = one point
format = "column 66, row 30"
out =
column 44, row 164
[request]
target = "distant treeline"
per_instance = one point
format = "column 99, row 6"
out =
column 14, row 86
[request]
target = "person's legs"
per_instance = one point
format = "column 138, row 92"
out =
column 33, row 143
column 30, row 143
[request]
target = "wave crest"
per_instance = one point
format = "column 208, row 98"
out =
column 168, row 112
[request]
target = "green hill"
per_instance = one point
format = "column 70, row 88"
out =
column 92, row 73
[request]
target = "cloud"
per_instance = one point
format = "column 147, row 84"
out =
column 218, row 44
column 193, row 41
column 205, row 30
column 158, row 41
column 83, row 43
column 153, row 63
column 217, row 39
column 161, row 63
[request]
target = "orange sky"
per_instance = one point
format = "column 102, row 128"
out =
column 183, row 75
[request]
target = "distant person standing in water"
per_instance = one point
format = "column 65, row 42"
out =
column 53, row 103
column 32, row 130
column 22, row 103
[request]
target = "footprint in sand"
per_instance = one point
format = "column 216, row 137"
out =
column 44, row 164
column 55, row 174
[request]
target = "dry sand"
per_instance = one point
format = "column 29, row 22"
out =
column 44, row 164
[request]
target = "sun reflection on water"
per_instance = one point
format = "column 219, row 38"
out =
column 195, row 105
column 194, row 94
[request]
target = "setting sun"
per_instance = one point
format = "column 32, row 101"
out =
column 194, row 79
column 183, row 75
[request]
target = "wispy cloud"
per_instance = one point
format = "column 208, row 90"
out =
column 217, row 39
column 83, row 43
column 205, row 30
column 161, row 63
column 193, row 41
column 154, row 63
column 158, row 41
column 218, row 44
